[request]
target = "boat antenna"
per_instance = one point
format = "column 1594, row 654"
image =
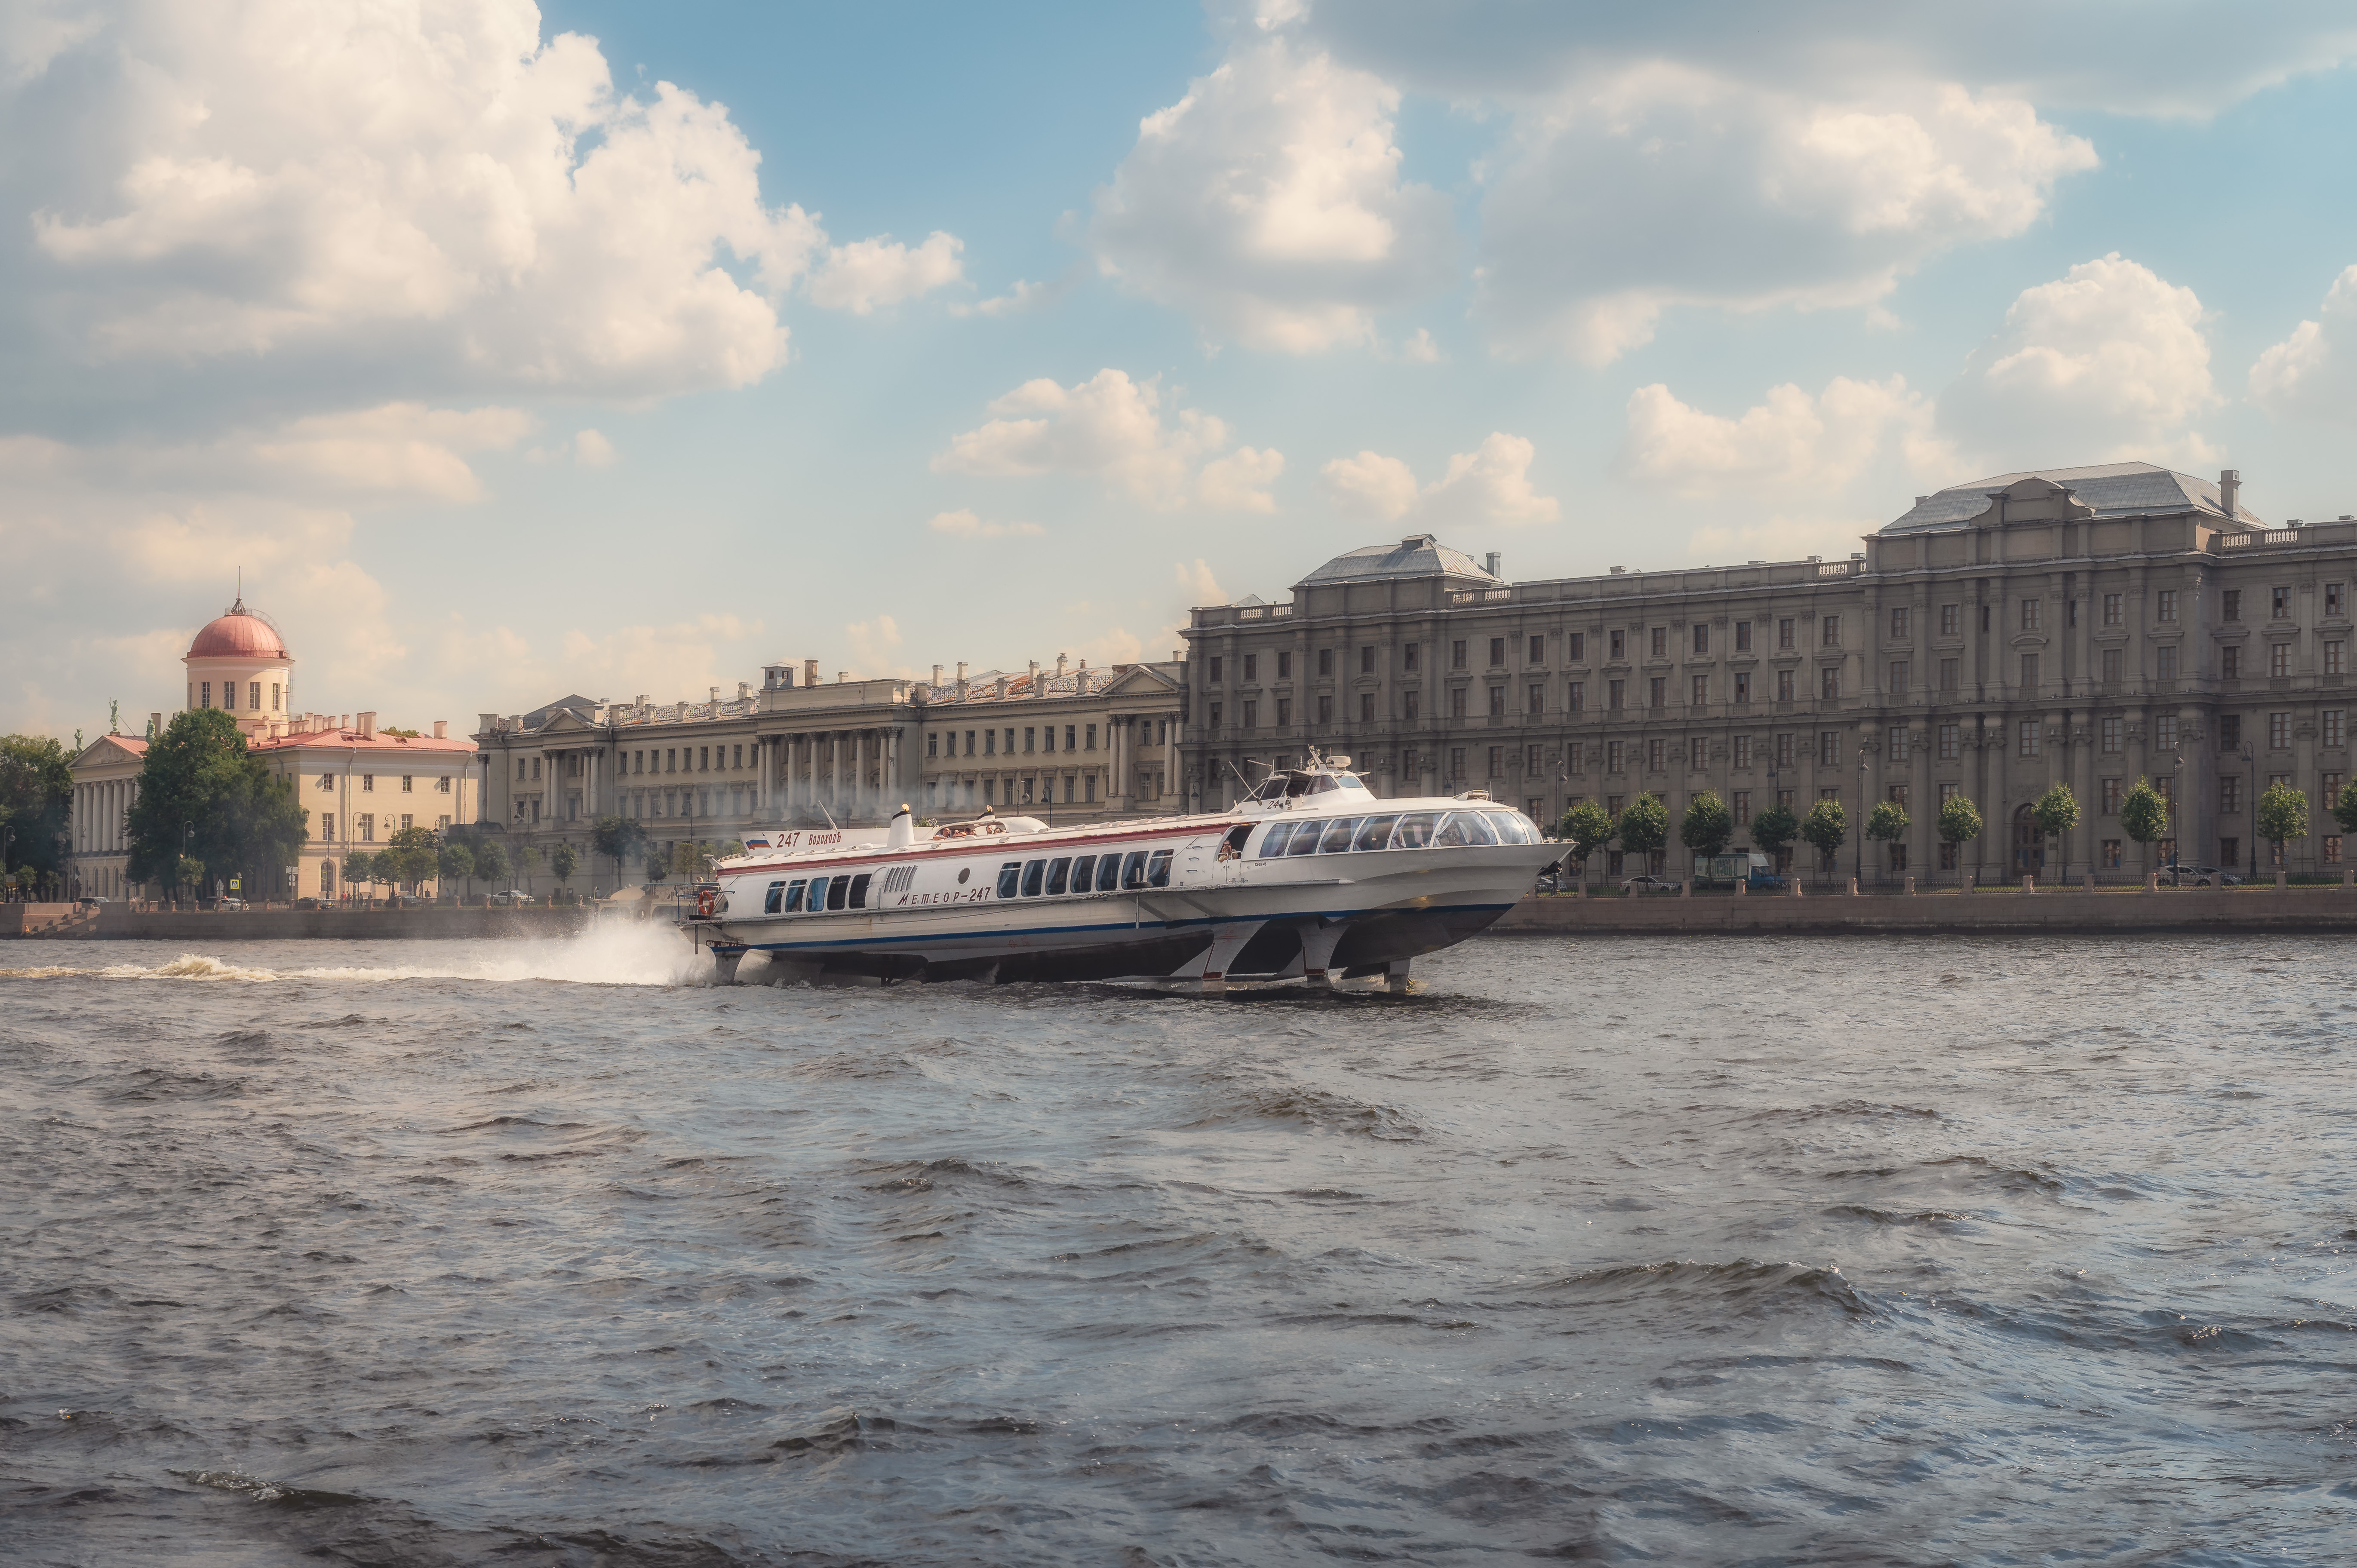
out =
column 828, row 815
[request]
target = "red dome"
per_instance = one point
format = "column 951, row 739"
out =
column 238, row 635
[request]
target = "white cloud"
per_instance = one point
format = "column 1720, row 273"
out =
column 1790, row 443
column 865, row 273
column 592, row 450
column 1664, row 186
column 1268, row 203
column 677, row 662
column 875, row 648
column 1418, row 350
column 2107, row 362
column 1200, row 584
column 1490, row 484
column 428, row 190
column 2312, row 372
column 963, row 524
column 1115, row 427
column 1024, row 296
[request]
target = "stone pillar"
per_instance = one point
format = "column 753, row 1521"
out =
column 833, row 769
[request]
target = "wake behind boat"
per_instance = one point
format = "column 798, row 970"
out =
column 1312, row 877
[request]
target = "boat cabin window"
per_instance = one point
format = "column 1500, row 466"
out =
column 1415, row 830
column 1513, row 827
column 838, row 892
column 1235, row 842
column 793, row 896
column 1465, row 828
column 776, row 902
column 1375, row 834
column 1305, row 838
column 1133, row 869
column 860, row 889
column 1034, row 874
column 817, row 895
column 1084, row 873
column 1109, row 874
column 1058, row 869
column 1271, row 842
column 1158, row 870
column 1336, row 839
column 1010, row 877
column 1272, row 787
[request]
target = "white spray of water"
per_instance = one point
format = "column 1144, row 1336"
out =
column 614, row 954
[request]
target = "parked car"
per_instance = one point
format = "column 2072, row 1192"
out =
column 92, row 900
column 2180, row 876
column 306, row 903
column 1648, row 884
column 230, row 905
column 512, row 899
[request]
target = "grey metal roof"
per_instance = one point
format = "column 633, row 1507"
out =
column 2112, row 488
column 1418, row 555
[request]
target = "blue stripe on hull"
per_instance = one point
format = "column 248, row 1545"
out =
column 1145, row 930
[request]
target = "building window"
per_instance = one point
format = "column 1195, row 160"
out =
column 1366, row 707
column 1456, row 703
column 1497, row 762
column 1950, row 625
column 327, row 781
column 1415, row 700
column 2029, row 672
column 1456, row 762
column 2335, row 725
column 327, row 825
column 1576, row 697
column 1216, row 662
column 2111, row 855
column 1367, row 660
column 1456, row 654
column 2229, row 793
column 368, row 827
column 1742, row 808
column 1785, row 750
column 442, row 784
column 409, row 783
column 1614, row 691
column 2167, row 661
column 1697, row 753
column 1535, row 695
column 2230, row 662
column 1829, row 749
column 1701, row 638
column 1497, row 653
column 1784, row 632
column 1657, row 692
column 1947, row 674
column 1899, row 677
column 2229, row 731
column 1949, row 743
column 1252, row 713
column 2031, row 611
column 2332, row 849
column 1531, row 762
column 2280, row 605
column 1743, row 687
column 2279, row 731
column 2110, row 666
column 1660, row 642
column 2279, row 660
column 368, row 781
column 1833, row 631
column 1898, row 744
column 2029, row 738
column 2111, row 787
column 1701, row 690
column 1252, row 667
column 1577, row 651
column 1832, row 679
column 1324, row 711
column 2230, row 605
column 2164, row 732
column 2168, row 610
column 2112, row 731
column 1497, row 701
column 2114, row 609
column 1656, row 754
column 1411, row 655
column 1284, row 713
column 1325, row 661
column 1618, row 641
column 1743, row 637
column 1616, row 755
column 1285, row 666
column 1783, row 685
column 1742, row 751
column 2336, row 657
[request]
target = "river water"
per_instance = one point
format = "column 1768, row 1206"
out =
column 1763, row 1251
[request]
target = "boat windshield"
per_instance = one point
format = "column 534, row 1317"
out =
column 1415, row 830
column 1336, row 839
column 1375, row 834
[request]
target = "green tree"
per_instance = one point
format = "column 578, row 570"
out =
column 36, row 803
column 360, row 869
column 455, row 863
column 205, row 793
column 2056, row 813
column 1587, row 827
column 2344, row 810
column 563, row 862
column 1774, row 829
column 491, row 862
column 1960, row 824
column 410, row 857
column 2144, row 817
column 527, row 862
column 2283, row 815
column 1644, row 826
column 1707, row 824
column 617, row 839
column 1826, row 829
column 1887, row 823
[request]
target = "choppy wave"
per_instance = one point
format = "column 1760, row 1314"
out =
column 635, row 955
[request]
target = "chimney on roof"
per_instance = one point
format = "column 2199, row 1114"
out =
column 155, row 725
column 2230, row 489
column 367, row 725
column 810, row 671
column 343, row 721
column 843, row 677
column 1490, row 562
column 1061, row 661
column 1034, row 677
column 936, row 674
column 487, row 723
column 744, row 690
column 1178, row 656
column 441, row 729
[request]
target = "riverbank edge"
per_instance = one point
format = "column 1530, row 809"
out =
column 1985, row 912
column 119, row 922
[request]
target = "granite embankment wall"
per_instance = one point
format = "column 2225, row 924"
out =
column 350, row 925
column 1990, row 912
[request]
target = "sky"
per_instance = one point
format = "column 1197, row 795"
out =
column 620, row 349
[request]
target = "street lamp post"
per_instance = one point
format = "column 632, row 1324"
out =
column 1861, row 816
column 2175, row 766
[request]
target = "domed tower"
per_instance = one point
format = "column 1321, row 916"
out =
column 240, row 663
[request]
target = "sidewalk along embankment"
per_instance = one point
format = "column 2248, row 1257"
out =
column 1983, row 911
column 348, row 925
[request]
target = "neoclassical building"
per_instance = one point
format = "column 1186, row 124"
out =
column 2090, row 625
column 1066, row 744
column 357, row 783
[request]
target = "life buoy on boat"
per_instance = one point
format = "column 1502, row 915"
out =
column 707, row 900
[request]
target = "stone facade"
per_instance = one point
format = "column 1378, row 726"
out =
column 1064, row 744
column 2093, row 626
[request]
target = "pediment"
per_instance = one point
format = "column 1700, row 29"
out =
column 2034, row 499
column 108, row 751
column 1141, row 679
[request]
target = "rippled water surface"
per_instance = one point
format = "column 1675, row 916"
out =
column 1763, row 1251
